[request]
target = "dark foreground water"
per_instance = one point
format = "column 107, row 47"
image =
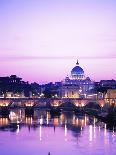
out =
column 67, row 134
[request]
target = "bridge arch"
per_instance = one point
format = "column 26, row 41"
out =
column 93, row 105
column 68, row 106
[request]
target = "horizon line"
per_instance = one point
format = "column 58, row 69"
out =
column 54, row 57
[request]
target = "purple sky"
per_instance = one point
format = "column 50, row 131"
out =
column 41, row 40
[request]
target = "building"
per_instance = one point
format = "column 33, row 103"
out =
column 14, row 95
column 70, row 91
column 13, row 86
column 110, row 84
column 77, row 85
column 111, row 94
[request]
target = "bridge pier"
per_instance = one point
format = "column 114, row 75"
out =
column 4, row 111
column 79, row 110
column 29, row 111
column 55, row 111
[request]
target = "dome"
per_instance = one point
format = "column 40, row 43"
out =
column 77, row 70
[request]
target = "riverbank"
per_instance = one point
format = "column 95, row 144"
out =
column 107, row 117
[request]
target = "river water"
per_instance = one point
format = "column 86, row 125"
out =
column 66, row 134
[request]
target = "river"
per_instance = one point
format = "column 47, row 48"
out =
column 66, row 134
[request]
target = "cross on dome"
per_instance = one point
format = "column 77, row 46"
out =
column 77, row 62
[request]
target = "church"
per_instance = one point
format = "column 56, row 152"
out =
column 77, row 85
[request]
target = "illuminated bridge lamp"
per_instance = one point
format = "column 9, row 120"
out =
column 55, row 104
column 4, row 104
column 113, row 101
column 56, row 95
column 108, row 100
column 29, row 104
column 77, row 104
column 82, row 104
column 41, row 95
column 101, row 106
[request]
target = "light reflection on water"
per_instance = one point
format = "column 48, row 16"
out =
column 67, row 134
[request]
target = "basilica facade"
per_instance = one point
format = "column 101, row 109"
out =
column 77, row 85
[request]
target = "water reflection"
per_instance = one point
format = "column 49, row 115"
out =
column 90, row 133
column 43, row 118
column 4, row 121
column 68, row 131
column 68, row 120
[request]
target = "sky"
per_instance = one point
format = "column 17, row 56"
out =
column 40, row 40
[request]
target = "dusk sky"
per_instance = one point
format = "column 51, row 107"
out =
column 40, row 40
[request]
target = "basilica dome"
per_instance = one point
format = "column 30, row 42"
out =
column 77, row 73
column 77, row 70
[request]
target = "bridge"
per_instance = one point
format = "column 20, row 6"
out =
column 52, row 102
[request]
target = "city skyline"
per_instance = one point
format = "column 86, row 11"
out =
column 41, row 40
column 61, row 73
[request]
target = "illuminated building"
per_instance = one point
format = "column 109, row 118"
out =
column 111, row 93
column 76, row 85
column 14, row 95
column 70, row 91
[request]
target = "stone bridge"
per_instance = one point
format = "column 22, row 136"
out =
column 52, row 102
